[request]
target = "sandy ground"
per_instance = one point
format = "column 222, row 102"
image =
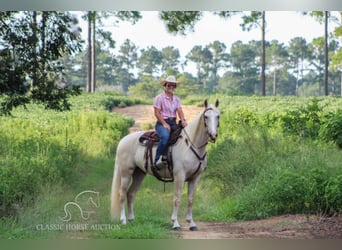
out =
column 144, row 117
column 280, row 227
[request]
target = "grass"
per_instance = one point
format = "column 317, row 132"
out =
column 271, row 175
column 254, row 170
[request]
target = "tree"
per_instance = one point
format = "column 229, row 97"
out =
column 149, row 61
column 241, row 80
column 127, row 58
column 276, row 57
column 91, row 79
column 148, row 87
column 298, row 52
column 170, row 60
column 257, row 19
column 323, row 17
column 219, row 59
column 32, row 54
column 94, row 17
column 336, row 60
column 202, row 57
column 106, row 75
column 180, row 22
column 317, row 61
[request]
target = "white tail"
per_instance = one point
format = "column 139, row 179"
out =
column 115, row 196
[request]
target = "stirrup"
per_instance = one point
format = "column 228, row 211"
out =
column 162, row 162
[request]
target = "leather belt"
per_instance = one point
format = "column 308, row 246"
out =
column 170, row 119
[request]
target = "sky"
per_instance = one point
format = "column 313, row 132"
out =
column 151, row 31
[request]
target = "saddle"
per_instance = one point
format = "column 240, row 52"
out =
column 151, row 138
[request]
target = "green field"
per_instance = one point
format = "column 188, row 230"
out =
column 274, row 155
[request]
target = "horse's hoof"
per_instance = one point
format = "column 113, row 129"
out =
column 177, row 228
column 194, row 228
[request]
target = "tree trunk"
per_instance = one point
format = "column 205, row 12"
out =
column 297, row 79
column 34, row 50
column 43, row 50
column 326, row 58
column 263, row 56
column 89, row 75
column 93, row 58
column 275, row 81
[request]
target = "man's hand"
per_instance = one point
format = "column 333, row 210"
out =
column 184, row 123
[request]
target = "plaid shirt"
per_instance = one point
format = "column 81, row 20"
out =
column 167, row 106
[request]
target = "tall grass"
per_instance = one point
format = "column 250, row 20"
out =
column 47, row 158
column 255, row 169
column 264, row 171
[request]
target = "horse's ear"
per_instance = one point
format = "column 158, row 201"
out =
column 217, row 103
column 206, row 103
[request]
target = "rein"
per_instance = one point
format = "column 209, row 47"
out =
column 199, row 158
column 193, row 148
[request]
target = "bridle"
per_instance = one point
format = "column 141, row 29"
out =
column 193, row 147
column 205, row 122
column 206, row 126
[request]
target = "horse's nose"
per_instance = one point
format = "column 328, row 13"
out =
column 213, row 135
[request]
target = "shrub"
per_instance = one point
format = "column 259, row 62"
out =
column 304, row 122
column 291, row 192
column 245, row 116
column 119, row 101
column 51, row 148
column 331, row 129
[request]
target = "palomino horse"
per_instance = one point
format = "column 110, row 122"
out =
column 189, row 160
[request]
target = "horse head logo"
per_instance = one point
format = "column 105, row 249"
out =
column 84, row 203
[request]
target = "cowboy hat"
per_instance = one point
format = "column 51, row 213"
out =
column 169, row 79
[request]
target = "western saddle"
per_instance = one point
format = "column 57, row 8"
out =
column 151, row 138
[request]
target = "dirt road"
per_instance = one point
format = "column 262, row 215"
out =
column 280, row 227
column 144, row 117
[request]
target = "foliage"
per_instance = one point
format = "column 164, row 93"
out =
column 180, row 21
column 265, row 166
column 31, row 63
column 291, row 192
column 147, row 88
column 304, row 122
column 47, row 148
column 331, row 129
column 120, row 102
column 255, row 169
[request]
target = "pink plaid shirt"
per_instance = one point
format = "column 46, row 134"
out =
column 167, row 106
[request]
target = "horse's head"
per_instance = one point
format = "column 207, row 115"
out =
column 211, row 117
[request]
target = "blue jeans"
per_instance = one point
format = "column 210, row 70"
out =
column 164, row 136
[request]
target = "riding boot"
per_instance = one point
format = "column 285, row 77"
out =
column 161, row 162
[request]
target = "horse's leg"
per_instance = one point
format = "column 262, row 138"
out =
column 122, row 194
column 191, row 191
column 138, row 177
column 178, row 186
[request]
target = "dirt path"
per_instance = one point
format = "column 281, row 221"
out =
column 280, row 227
column 287, row 226
column 144, row 117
